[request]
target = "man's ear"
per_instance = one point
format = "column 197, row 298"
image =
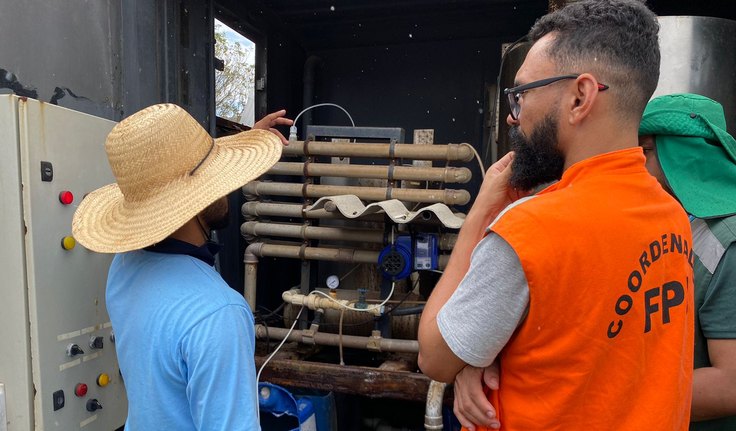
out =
column 582, row 100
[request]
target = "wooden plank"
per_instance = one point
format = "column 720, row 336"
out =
column 369, row 382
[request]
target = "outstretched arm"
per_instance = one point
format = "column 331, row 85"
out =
column 270, row 121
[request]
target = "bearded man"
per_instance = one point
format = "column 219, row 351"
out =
column 582, row 292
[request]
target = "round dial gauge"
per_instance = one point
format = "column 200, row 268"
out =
column 333, row 281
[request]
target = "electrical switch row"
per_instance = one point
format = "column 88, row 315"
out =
column 80, row 390
column 95, row 342
column 92, row 405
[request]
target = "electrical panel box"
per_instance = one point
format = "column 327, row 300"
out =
column 426, row 252
column 58, row 365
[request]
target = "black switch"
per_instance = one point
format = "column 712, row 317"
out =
column 47, row 171
column 96, row 342
column 93, row 405
column 58, row 400
column 74, row 350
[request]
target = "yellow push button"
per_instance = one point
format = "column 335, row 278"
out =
column 68, row 242
column 103, row 380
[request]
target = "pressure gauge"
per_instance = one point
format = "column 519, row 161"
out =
column 333, row 281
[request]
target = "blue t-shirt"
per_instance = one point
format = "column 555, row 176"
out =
column 185, row 344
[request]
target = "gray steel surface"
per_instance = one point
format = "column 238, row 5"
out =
column 698, row 57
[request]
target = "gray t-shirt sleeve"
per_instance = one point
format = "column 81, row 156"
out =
column 488, row 305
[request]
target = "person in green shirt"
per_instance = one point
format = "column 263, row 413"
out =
column 688, row 150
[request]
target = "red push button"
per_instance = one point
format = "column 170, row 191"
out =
column 66, row 197
column 80, row 390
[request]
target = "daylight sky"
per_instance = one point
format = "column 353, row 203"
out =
column 234, row 36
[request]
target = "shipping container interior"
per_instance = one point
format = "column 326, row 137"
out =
column 408, row 64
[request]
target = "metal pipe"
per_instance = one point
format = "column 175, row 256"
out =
column 269, row 209
column 251, row 273
column 446, row 174
column 446, row 196
column 348, row 255
column 446, row 152
column 375, row 342
column 315, row 253
column 310, row 67
column 433, row 412
column 311, row 232
column 408, row 311
column 315, row 302
column 259, row 209
column 260, row 229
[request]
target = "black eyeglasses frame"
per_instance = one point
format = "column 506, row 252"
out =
column 514, row 93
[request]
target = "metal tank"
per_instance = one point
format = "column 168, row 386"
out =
column 698, row 57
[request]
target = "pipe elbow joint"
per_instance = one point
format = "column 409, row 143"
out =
column 252, row 252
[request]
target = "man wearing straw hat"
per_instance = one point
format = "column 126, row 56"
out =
column 184, row 339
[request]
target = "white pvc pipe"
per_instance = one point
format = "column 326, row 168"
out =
column 445, row 196
column 316, row 302
column 375, row 342
column 433, row 412
column 447, row 152
column 447, row 174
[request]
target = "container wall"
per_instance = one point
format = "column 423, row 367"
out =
column 698, row 57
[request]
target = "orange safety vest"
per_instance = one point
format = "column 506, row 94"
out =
column 608, row 340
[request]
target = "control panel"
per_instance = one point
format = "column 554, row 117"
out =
column 58, row 364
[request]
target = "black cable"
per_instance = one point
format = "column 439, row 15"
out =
column 274, row 312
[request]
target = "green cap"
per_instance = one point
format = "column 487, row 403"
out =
column 697, row 155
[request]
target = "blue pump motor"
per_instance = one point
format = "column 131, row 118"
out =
column 398, row 260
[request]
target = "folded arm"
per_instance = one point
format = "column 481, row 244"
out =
column 437, row 358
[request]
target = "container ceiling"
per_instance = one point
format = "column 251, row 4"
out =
column 330, row 24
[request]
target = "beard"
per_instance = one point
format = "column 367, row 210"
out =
column 216, row 216
column 537, row 159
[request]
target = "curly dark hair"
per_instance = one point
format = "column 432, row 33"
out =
column 616, row 40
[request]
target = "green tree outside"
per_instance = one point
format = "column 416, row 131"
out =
column 234, row 86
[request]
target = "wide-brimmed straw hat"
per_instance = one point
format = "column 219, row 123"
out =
column 696, row 153
column 168, row 169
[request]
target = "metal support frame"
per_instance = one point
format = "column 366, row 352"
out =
column 392, row 134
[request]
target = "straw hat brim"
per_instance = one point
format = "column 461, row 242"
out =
column 106, row 222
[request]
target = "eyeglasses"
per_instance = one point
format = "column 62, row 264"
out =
column 514, row 94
